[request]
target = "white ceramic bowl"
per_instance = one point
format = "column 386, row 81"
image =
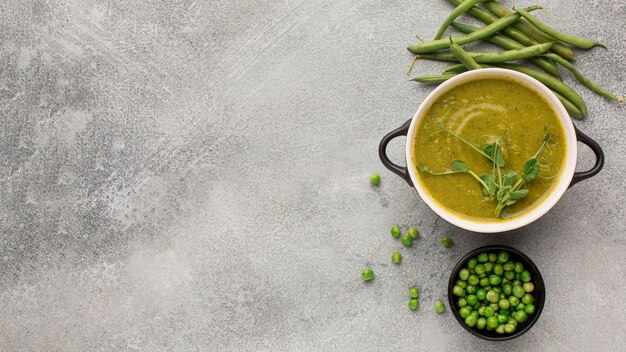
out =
column 567, row 177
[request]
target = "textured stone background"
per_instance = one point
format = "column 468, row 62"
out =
column 193, row 175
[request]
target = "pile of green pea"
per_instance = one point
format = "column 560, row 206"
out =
column 494, row 293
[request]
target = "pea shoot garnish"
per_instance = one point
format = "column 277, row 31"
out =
column 504, row 187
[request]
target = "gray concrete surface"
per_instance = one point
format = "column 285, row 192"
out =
column 193, row 176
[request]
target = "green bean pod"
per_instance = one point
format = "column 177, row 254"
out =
column 565, row 38
column 569, row 106
column 484, row 32
column 584, row 80
column 463, row 56
column 432, row 79
column 511, row 44
column 552, row 83
column 458, row 11
column 493, row 57
column 501, row 10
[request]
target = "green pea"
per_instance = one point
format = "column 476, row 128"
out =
column 503, row 257
column 517, row 276
column 505, row 281
column 472, row 263
column 493, row 257
column 481, row 310
column 471, row 300
column 524, row 276
column 502, row 296
column 458, row 291
column 494, row 306
column 463, row 274
column 529, row 309
column 512, row 321
column 492, row 322
column 520, row 306
column 508, row 266
column 500, row 329
column 509, row 328
column 517, row 283
column 502, row 319
column 484, row 282
column 489, row 312
column 492, row 296
column 413, row 232
column 528, row 287
column 527, row 299
column 488, row 267
column 481, row 294
column 507, row 289
column 482, row 275
column 520, row 316
column 440, row 307
column 471, row 321
column 476, row 306
column 462, row 302
column 407, row 240
column 481, row 323
column 495, row 280
column 503, row 304
column 395, row 231
column 518, row 291
column 479, row 269
column 446, row 242
column 461, row 283
column 497, row 269
column 471, row 271
column 470, row 289
column 483, row 257
column 505, row 312
column 519, row 267
column 375, row 179
column 414, row 304
column 464, row 312
column 474, row 313
column 414, row 292
column 514, row 301
column 367, row 274
column 473, row 280
column 509, row 275
column 497, row 289
column 396, row 257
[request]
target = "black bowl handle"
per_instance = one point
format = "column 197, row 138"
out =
column 401, row 171
column 595, row 147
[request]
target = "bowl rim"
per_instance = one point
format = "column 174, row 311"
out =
column 536, row 274
column 540, row 209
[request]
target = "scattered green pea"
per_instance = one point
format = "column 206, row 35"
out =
column 414, row 304
column 367, row 274
column 446, row 242
column 395, row 231
column 440, row 307
column 375, row 179
column 407, row 240
column 414, row 233
column 396, row 257
column 413, row 292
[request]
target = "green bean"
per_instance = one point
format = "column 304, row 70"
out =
column 571, row 108
column 432, row 79
column 488, row 18
column 463, row 57
column 574, row 111
column 551, row 83
column 493, row 57
column 501, row 10
column 566, row 64
column 511, row 44
column 484, row 32
column 565, row 38
column 458, row 11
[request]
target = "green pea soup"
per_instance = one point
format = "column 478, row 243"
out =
column 481, row 111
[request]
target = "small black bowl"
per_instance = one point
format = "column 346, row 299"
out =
column 539, row 294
